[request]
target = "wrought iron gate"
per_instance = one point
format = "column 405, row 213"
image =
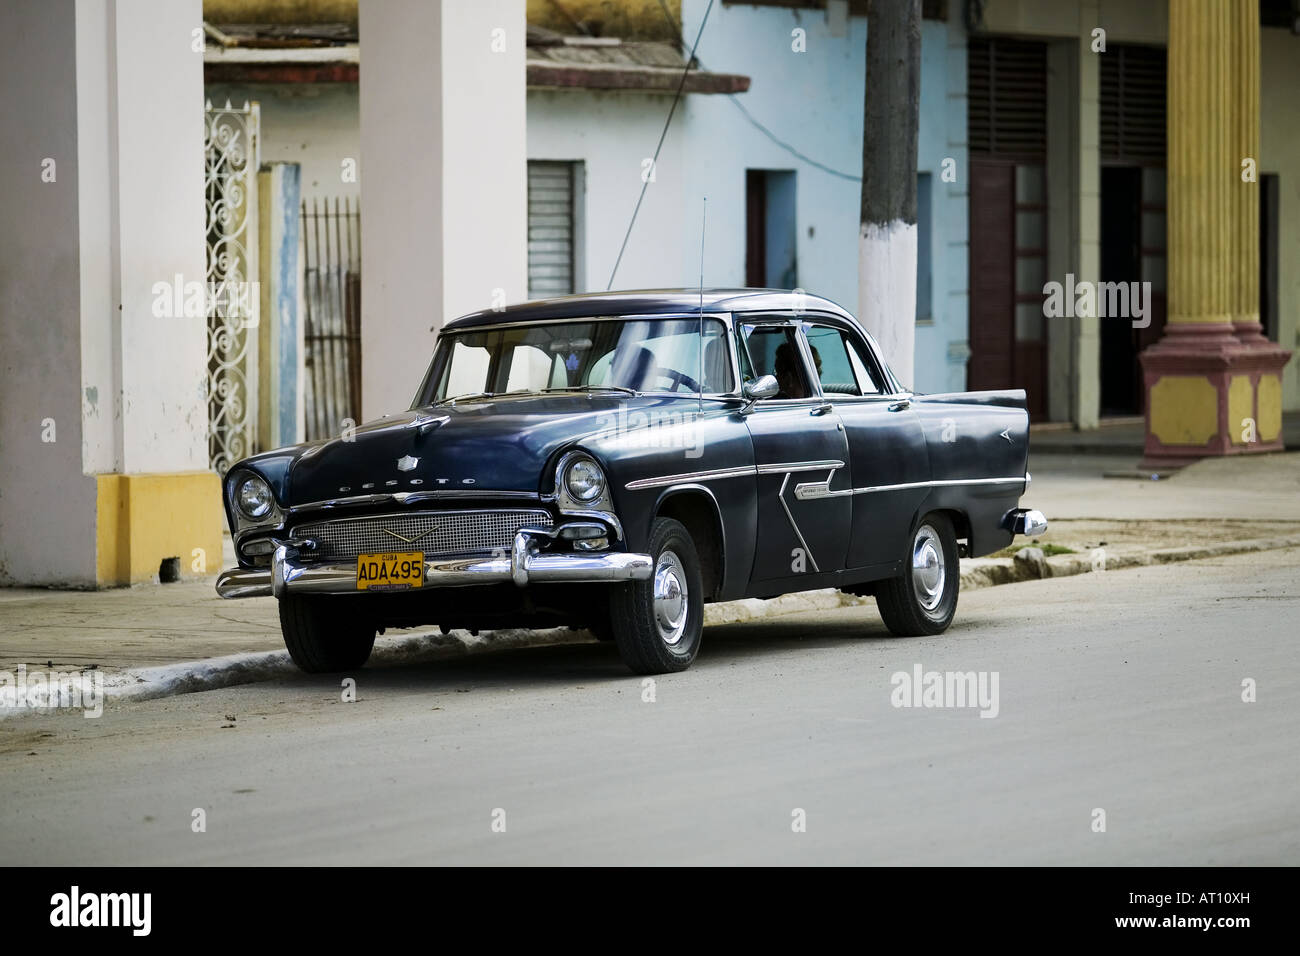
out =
column 231, row 161
column 331, row 235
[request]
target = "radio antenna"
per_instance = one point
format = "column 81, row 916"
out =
column 699, row 368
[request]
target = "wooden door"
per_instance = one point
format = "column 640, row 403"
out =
column 992, row 287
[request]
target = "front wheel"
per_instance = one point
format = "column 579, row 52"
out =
column 922, row 598
column 322, row 638
column 657, row 623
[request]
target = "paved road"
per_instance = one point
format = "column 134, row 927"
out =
column 1119, row 691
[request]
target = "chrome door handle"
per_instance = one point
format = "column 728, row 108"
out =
column 822, row 409
column 900, row 405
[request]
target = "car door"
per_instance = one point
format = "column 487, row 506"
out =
column 888, row 459
column 797, row 438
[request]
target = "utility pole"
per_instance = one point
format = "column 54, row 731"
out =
column 887, row 240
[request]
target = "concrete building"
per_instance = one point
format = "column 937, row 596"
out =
column 774, row 142
column 501, row 147
column 1053, row 112
column 1069, row 109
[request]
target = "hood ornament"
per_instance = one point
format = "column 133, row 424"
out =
column 423, row 424
column 407, row 463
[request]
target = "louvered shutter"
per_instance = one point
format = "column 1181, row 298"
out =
column 1007, row 86
column 550, row 229
column 1133, row 105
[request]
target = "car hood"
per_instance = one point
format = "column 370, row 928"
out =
column 500, row 444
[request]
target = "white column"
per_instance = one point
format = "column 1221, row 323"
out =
column 103, row 450
column 140, row 98
column 47, row 508
column 443, row 178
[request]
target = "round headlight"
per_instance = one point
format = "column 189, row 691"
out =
column 584, row 480
column 254, row 497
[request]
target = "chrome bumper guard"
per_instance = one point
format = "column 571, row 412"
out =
column 524, row 565
column 1025, row 521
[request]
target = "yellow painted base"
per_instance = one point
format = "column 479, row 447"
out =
column 143, row 519
column 1270, row 407
column 1184, row 410
column 1241, row 401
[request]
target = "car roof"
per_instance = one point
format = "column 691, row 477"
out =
column 651, row 302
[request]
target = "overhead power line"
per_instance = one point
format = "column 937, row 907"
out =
column 645, row 175
column 753, row 121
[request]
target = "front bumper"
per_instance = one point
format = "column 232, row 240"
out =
column 289, row 573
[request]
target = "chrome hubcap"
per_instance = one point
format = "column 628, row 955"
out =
column 927, row 568
column 671, row 603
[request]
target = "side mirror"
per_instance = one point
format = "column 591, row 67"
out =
column 765, row 386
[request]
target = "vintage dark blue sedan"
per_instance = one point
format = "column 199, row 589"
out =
column 617, row 461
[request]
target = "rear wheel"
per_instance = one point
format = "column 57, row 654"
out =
column 922, row 598
column 323, row 637
column 657, row 623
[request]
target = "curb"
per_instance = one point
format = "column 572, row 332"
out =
column 214, row 673
column 151, row 683
column 988, row 572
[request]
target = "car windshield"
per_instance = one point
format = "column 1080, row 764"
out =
column 643, row 355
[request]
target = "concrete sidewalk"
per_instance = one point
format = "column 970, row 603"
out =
column 1219, row 506
column 1123, row 437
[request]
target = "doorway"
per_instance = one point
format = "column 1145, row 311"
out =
column 1132, row 113
column 770, row 229
column 1007, row 130
column 1132, row 250
column 1008, row 268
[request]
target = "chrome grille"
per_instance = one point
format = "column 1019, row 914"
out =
column 433, row 532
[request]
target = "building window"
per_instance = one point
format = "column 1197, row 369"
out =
column 924, row 274
column 555, row 192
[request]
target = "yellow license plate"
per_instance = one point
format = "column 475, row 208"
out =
column 396, row 571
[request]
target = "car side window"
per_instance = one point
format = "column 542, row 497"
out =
column 774, row 350
column 841, row 366
column 747, row 373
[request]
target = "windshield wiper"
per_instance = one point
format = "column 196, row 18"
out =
column 584, row 388
column 468, row 395
column 462, row 398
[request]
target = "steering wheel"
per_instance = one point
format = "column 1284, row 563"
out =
column 679, row 379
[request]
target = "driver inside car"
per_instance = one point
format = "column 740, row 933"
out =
column 788, row 374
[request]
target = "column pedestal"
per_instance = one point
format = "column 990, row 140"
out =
column 1211, row 393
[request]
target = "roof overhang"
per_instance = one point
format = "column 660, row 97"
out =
column 329, row 64
column 250, row 54
column 648, row 79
